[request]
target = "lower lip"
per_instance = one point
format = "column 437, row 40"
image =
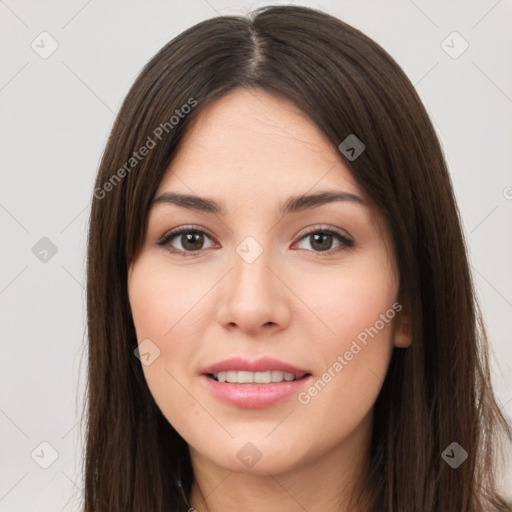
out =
column 254, row 396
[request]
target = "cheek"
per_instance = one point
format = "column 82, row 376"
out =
column 357, row 308
column 156, row 309
column 343, row 301
column 160, row 299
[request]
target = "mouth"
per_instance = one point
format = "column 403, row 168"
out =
column 256, row 384
column 255, row 390
column 246, row 377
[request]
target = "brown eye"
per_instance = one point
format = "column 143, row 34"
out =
column 321, row 240
column 190, row 239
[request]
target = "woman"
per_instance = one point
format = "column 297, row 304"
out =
column 280, row 307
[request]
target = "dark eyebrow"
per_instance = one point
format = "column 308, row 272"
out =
column 292, row 204
column 304, row 202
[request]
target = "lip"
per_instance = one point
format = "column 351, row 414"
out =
column 254, row 396
column 263, row 364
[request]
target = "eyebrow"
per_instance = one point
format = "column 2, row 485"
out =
column 291, row 205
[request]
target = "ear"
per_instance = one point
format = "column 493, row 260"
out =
column 403, row 328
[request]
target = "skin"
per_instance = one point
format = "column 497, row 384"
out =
column 251, row 150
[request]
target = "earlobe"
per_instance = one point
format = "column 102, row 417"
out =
column 403, row 330
column 402, row 340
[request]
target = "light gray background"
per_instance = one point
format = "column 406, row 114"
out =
column 55, row 116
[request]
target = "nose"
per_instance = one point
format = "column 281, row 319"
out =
column 254, row 296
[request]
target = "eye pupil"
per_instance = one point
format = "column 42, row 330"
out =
column 188, row 238
column 322, row 237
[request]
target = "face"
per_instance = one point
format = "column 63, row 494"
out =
column 311, row 286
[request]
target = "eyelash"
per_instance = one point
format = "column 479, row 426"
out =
column 165, row 241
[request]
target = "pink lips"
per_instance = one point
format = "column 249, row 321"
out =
column 254, row 396
column 263, row 364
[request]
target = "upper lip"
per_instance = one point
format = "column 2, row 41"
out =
column 263, row 364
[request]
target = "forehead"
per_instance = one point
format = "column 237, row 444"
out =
column 254, row 141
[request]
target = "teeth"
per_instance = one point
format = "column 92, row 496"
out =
column 243, row 377
column 276, row 376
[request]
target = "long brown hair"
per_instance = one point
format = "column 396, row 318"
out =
column 435, row 393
